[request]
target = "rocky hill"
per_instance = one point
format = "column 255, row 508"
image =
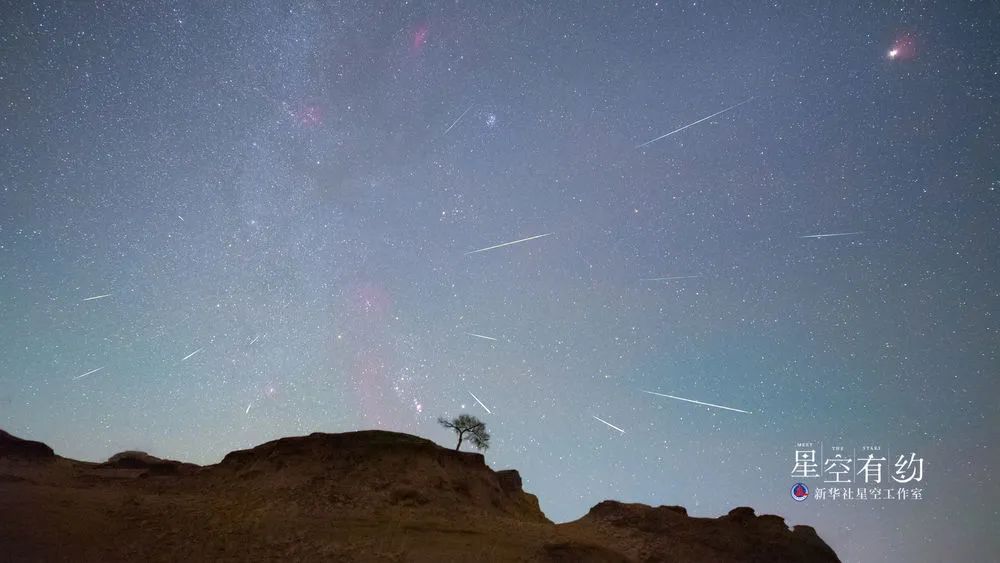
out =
column 358, row 496
column 13, row 447
column 148, row 464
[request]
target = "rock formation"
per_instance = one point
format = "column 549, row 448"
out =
column 357, row 496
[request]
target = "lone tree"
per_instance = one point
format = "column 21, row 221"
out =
column 468, row 424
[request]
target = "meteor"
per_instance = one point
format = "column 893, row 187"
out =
column 192, row 353
column 609, row 424
column 696, row 402
column 670, row 278
column 481, row 336
column 89, row 372
column 480, row 402
column 98, row 297
column 695, row 123
column 508, row 243
column 833, row 235
column 456, row 121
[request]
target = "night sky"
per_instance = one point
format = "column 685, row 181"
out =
column 257, row 220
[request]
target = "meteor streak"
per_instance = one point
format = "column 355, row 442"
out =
column 696, row 402
column 480, row 402
column 192, row 353
column 507, row 243
column 456, row 121
column 695, row 123
column 833, row 235
column 670, row 278
column 609, row 424
column 481, row 336
column 89, row 372
column 98, row 297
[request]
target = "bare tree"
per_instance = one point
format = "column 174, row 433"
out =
column 467, row 424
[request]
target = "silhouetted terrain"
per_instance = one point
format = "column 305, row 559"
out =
column 357, row 496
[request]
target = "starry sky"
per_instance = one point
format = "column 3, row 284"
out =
column 225, row 223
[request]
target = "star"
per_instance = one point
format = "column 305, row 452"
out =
column 902, row 49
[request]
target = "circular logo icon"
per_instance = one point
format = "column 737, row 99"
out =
column 800, row 492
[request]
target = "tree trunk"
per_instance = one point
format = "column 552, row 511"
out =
column 459, row 442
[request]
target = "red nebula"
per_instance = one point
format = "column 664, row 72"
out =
column 373, row 385
column 372, row 302
column 419, row 38
column 310, row 115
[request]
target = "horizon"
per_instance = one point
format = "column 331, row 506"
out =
column 485, row 455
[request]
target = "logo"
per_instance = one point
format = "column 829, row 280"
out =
column 800, row 492
column 870, row 472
